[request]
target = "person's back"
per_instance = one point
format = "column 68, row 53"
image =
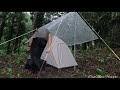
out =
column 37, row 44
column 37, row 47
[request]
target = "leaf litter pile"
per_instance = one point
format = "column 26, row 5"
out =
column 91, row 64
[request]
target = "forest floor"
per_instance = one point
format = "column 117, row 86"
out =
column 91, row 64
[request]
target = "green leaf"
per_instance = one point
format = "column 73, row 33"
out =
column 99, row 76
column 100, row 72
column 9, row 69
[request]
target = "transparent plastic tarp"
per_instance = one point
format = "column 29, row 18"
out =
column 71, row 28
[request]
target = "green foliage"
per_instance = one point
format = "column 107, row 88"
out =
column 99, row 76
column 28, row 23
column 2, row 47
column 107, row 25
column 101, row 60
column 23, row 45
column 100, row 72
column 110, row 56
column 108, row 40
column 17, row 24
column 39, row 19
column 18, row 60
column 3, row 71
column 50, row 16
column 9, row 70
column 18, row 75
column 2, row 39
column 19, row 57
column 2, row 53
column 24, row 41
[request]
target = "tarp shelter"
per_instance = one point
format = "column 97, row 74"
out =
column 70, row 29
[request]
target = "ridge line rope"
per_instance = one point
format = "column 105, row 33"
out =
column 17, row 37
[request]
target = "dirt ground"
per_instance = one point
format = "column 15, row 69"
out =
column 88, row 63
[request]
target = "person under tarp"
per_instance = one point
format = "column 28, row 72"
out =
column 37, row 44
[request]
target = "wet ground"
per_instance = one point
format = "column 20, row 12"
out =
column 89, row 63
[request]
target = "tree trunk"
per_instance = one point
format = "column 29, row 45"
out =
column 10, row 37
column 84, row 46
column 9, row 49
column 1, row 29
column 39, row 19
column 15, row 44
column 16, row 40
column 73, row 48
column 93, row 44
column 34, row 21
column 19, row 45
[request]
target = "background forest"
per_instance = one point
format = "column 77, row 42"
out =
column 13, row 54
